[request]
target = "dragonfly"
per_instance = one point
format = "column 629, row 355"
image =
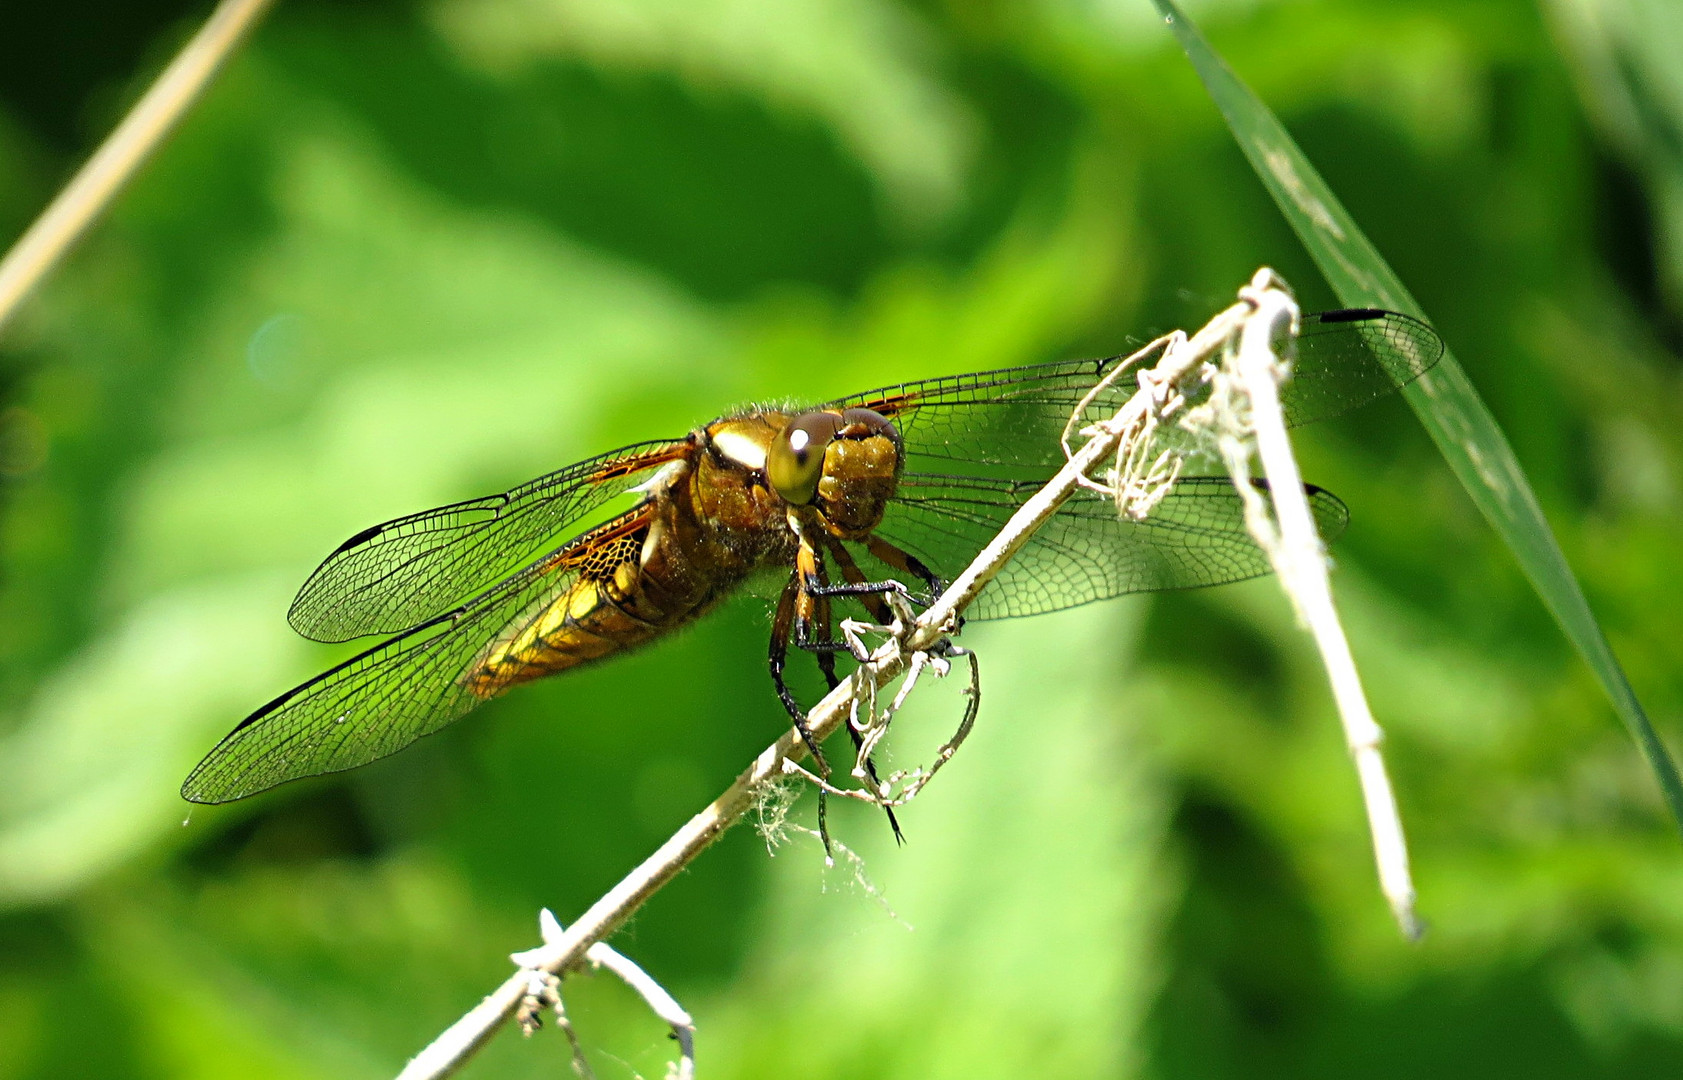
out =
column 906, row 483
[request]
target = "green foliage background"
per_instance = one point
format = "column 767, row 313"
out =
column 412, row 252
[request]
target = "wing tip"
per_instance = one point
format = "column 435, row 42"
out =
column 204, row 787
column 1420, row 328
column 357, row 539
column 1332, row 514
column 306, row 623
column 202, row 796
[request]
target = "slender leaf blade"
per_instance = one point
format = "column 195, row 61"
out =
column 1444, row 399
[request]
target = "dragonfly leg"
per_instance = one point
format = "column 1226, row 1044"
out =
column 860, row 589
column 881, row 598
column 905, row 562
column 873, row 594
column 822, row 623
column 781, row 624
column 908, row 563
column 812, row 608
column 872, row 600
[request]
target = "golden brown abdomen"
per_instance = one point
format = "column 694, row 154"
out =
column 586, row 622
column 627, row 592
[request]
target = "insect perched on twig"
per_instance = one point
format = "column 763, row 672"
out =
column 853, row 498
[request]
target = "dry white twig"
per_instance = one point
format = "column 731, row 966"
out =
column 544, row 989
column 1182, row 358
column 1252, row 375
column 123, row 152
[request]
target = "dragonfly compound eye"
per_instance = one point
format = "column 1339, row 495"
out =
column 795, row 461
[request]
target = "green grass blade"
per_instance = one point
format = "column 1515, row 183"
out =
column 1443, row 399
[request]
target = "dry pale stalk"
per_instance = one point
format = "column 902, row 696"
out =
column 1253, row 375
column 123, row 152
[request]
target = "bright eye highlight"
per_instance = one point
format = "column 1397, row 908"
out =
column 796, row 458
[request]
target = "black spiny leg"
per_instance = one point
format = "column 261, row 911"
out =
column 787, row 603
column 870, row 593
column 906, row 562
column 781, row 624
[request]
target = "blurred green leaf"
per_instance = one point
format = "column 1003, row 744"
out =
column 856, row 63
column 405, row 354
column 1626, row 54
column 411, row 252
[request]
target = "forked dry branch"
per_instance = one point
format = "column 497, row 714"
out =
column 544, row 990
column 1234, row 354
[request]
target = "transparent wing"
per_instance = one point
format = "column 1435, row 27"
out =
column 1194, row 537
column 380, row 701
column 1007, row 422
column 1348, row 358
column 978, row 445
column 403, row 573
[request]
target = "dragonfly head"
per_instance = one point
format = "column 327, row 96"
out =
column 843, row 462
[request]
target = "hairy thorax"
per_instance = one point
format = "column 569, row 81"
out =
column 707, row 523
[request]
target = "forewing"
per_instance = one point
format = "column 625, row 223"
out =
column 1011, row 418
column 1194, row 537
column 377, row 703
column 1348, row 358
column 1007, row 423
column 403, row 573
